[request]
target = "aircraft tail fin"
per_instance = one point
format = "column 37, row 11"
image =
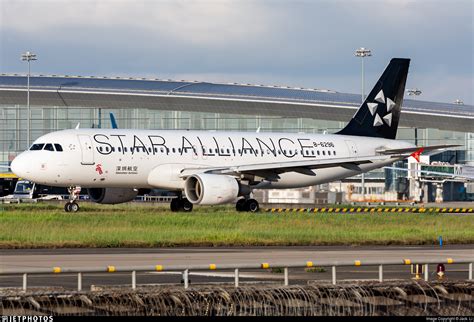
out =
column 378, row 116
column 113, row 121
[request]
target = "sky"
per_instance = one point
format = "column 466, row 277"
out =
column 307, row 44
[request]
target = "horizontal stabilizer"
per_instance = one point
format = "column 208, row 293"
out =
column 414, row 149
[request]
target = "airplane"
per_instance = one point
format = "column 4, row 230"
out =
column 210, row 168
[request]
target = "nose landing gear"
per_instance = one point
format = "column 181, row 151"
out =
column 72, row 205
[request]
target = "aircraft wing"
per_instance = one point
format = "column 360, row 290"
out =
column 271, row 170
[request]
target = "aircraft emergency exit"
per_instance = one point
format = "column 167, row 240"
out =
column 209, row 168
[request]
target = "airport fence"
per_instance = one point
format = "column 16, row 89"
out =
column 393, row 298
column 419, row 267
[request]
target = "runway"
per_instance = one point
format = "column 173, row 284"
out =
column 48, row 258
column 87, row 257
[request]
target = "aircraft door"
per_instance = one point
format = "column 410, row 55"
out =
column 86, row 149
column 352, row 148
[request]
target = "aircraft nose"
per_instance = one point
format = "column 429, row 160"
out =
column 19, row 166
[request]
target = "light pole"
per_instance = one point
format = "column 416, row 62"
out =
column 363, row 52
column 28, row 56
column 415, row 92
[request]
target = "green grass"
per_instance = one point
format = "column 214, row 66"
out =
column 136, row 225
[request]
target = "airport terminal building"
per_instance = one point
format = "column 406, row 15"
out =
column 61, row 102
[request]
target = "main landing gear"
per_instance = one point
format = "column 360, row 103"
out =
column 181, row 204
column 249, row 205
column 72, row 205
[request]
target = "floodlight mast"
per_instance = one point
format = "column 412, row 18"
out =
column 415, row 92
column 363, row 52
column 28, row 56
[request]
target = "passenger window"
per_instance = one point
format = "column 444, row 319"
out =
column 318, row 152
column 162, row 150
column 329, row 152
column 174, row 150
column 334, row 152
column 37, row 146
column 49, row 147
column 125, row 149
column 119, row 149
column 324, row 152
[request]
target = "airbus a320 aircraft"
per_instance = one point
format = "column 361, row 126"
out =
column 209, row 168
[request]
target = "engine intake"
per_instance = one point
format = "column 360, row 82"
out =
column 211, row 189
column 111, row 195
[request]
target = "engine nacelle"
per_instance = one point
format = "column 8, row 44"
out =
column 211, row 189
column 111, row 195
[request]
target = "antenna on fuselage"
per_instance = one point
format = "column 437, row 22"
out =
column 78, row 125
column 258, row 130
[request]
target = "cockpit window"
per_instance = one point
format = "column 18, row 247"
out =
column 37, row 146
column 58, row 147
column 49, row 147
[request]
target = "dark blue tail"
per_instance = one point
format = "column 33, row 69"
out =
column 378, row 116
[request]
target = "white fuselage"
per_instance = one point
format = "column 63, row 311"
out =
column 154, row 159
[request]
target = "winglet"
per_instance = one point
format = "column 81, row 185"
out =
column 417, row 154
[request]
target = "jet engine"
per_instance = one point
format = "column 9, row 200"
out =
column 111, row 195
column 211, row 189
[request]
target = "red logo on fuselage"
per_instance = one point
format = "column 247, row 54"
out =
column 98, row 168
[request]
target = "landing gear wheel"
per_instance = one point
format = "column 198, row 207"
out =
column 181, row 204
column 71, row 207
column 251, row 205
column 186, row 205
column 175, row 204
column 74, row 207
column 240, row 205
